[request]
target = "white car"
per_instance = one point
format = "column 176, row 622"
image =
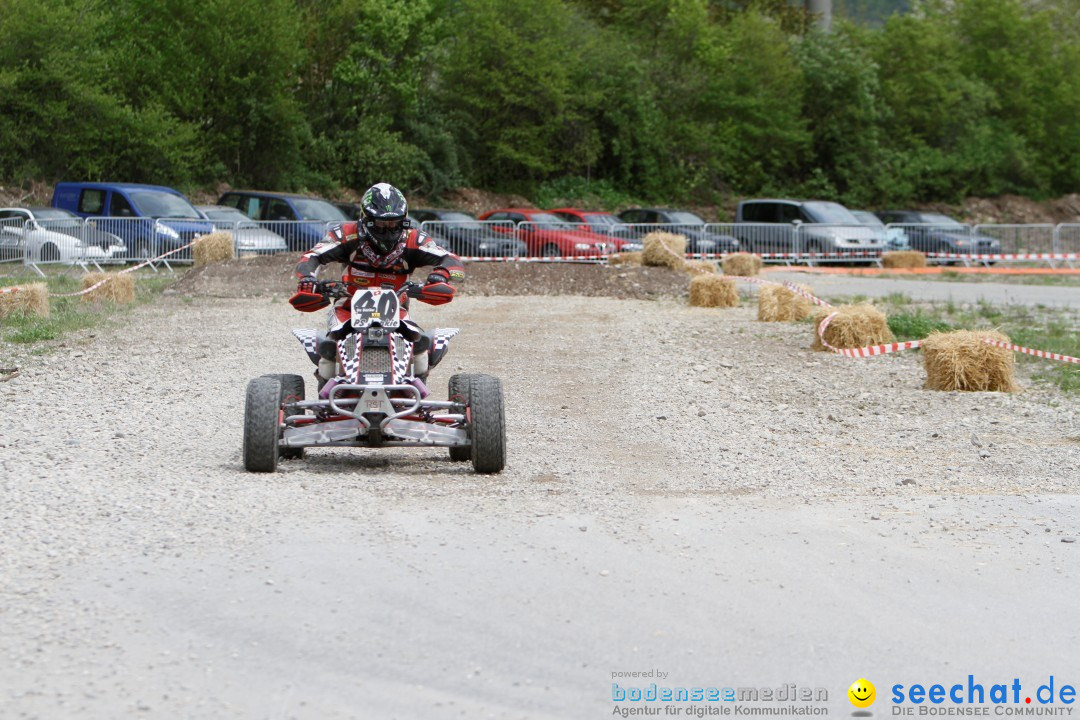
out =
column 250, row 236
column 45, row 234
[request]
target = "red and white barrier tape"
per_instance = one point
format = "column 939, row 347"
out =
column 133, row 268
column 518, row 258
column 1006, row 256
column 886, row 348
column 13, row 288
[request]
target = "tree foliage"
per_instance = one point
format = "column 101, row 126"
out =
column 670, row 100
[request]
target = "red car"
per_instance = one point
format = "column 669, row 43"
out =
column 601, row 222
column 549, row 235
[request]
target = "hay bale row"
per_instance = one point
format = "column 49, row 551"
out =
column 713, row 290
column 903, row 259
column 960, row 360
column 742, row 264
column 854, row 326
column 663, row 249
column 213, row 248
column 119, row 288
column 777, row 303
column 32, row 299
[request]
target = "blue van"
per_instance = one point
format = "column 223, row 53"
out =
column 151, row 219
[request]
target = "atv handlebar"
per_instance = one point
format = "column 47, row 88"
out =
column 337, row 289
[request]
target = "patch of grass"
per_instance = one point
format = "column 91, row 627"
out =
column 1056, row 280
column 917, row 325
column 1051, row 329
column 71, row 314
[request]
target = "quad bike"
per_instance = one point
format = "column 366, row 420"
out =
column 374, row 400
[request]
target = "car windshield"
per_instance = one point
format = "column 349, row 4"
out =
column 547, row 219
column 867, row 218
column 318, row 210
column 460, row 220
column 601, row 219
column 55, row 217
column 228, row 215
column 682, row 217
column 831, row 213
column 151, row 203
column 938, row 219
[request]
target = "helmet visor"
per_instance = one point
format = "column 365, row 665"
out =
column 386, row 233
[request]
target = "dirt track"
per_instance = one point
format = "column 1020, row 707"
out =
column 686, row 489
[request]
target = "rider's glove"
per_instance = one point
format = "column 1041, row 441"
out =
column 437, row 290
column 306, row 284
column 306, row 299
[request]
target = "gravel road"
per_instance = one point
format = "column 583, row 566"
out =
column 687, row 490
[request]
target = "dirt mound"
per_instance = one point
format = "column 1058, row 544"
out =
column 479, row 201
column 274, row 275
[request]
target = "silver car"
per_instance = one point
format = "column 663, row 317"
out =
column 45, row 234
column 250, row 236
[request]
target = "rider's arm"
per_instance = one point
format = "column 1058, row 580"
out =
column 446, row 268
column 332, row 248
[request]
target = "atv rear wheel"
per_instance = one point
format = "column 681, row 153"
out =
column 262, row 424
column 459, row 390
column 292, row 390
column 487, row 426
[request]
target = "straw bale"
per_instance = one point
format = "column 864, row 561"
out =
column 713, row 291
column 960, row 360
column 854, row 326
column 213, row 248
column 626, row 258
column 777, row 303
column 742, row 264
column 32, row 299
column 699, row 267
column 664, row 249
column 903, row 259
column 120, row 287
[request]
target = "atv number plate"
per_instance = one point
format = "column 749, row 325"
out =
column 375, row 306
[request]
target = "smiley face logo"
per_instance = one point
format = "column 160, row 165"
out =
column 862, row 693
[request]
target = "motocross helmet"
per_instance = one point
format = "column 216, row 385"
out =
column 382, row 213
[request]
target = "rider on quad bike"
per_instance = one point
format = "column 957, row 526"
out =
column 378, row 251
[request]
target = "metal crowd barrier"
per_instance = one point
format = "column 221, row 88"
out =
column 476, row 238
column 774, row 242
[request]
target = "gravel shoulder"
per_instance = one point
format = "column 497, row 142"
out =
column 687, row 489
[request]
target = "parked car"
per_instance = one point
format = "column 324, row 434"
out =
column 461, row 233
column 932, row 232
column 549, row 235
column 682, row 222
column 893, row 238
column 351, row 210
column 300, row 219
column 51, row 234
column 601, row 222
column 249, row 236
column 772, row 226
column 150, row 219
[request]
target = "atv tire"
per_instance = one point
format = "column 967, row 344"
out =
column 292, row 390
column 459, row 390
column 487, row 426
column 262, row 424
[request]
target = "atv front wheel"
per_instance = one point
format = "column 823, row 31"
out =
column 487, row 426
column 262, row 424
column 460, row 386
column 292, row 390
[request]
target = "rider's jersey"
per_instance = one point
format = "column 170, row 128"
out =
column 342, row 244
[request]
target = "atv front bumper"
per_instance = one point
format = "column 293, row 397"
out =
column 375, row 416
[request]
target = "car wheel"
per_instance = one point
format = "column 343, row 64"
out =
column 551, row 250
column 49, row 253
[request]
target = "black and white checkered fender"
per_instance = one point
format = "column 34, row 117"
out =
column 442, row 337
column 402, row 357
column 309, row 339
column 350, row 362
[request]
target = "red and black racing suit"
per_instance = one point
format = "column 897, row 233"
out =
column 342, row 244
